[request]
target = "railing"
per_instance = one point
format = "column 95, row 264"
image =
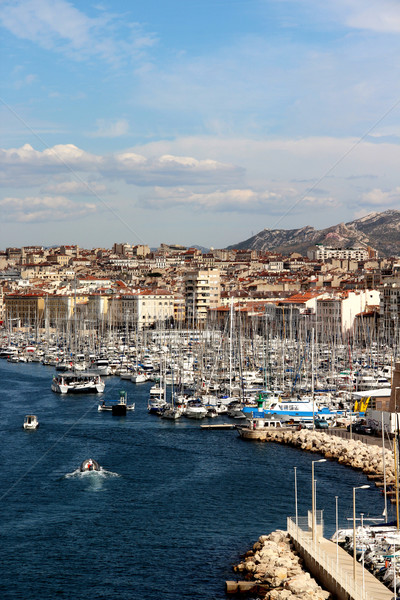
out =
column 365, row 439
column 342, row 577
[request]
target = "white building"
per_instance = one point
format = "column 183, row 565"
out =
column 321, row 252
column 146, row 307
column 335, row 314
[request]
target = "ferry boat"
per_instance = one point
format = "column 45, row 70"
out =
column 77, row 383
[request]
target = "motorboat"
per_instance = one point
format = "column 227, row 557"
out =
column 30, row 422
column 102, row 367
column 235, row 409
column 172, row 412
column 156, row 406
column 211, row 412
column 77, row 383
column 195, row 410
column 139, row 377
column 118, row 409
column 89, row 465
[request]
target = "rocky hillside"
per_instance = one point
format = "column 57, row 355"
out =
column 378, row 230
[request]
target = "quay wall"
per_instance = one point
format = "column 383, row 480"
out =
column 354, row 453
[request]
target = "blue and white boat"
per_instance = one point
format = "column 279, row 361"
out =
column 286, row 409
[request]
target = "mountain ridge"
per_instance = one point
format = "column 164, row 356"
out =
column 379, row 230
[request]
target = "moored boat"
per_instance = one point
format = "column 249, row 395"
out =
column 119, row 408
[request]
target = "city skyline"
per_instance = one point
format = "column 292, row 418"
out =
column 195, row 122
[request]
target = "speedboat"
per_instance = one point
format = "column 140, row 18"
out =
column 89, row 465
column 195, row 410
column 30, row 422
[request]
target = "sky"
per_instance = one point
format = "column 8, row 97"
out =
column 195, row 122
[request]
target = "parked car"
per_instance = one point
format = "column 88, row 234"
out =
column 360, row 428
column 321, row 424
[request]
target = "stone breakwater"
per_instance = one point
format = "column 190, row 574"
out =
column 353, row 453
column 274, row 565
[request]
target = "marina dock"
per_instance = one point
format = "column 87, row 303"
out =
column 219, row 426
column 333, row 567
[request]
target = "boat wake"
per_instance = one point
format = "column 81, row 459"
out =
column 100, row 474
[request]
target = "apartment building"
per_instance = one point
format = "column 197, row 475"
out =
column 145, row 308
column 24, row 310
column 202, row 290
column 390, row 309
column 321, row 252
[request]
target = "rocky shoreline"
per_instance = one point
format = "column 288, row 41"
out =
column 352, row 453
column 276, row 567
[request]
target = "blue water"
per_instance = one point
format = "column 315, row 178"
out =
column 173, row 510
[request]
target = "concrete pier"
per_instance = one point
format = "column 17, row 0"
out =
column 332, row 567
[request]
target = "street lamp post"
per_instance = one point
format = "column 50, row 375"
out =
column 360, row 487
column 337, row 529
column 295, row 496
column 313, row 497
column 363, row 573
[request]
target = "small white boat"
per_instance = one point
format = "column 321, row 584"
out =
column 172, row 412
column 138, row 377
column 195, row 410
column 89, row 465
column 156, row 406
column 30, row 422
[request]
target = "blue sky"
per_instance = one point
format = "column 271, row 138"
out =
column 195, row 122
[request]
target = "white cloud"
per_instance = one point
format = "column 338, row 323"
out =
column 110, row 129
column 382, row 16
column 75, row 187
column 246, row 200
column 379, row 198
column 46, row 22
column 41, row 209
column 129, row 166
column 58, row 25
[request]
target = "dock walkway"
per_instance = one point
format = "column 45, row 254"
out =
column 333, row 567
column 371, row 440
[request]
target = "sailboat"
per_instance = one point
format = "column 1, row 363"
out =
column 172, row 411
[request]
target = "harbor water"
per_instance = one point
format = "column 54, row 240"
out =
column 171, row 511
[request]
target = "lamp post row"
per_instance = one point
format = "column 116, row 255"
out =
column 313, row 512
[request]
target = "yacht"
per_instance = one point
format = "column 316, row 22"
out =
column 195, row 410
